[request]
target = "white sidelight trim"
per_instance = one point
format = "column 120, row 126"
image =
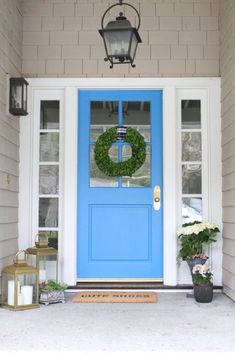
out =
column 67, row 91
column 70, row 187
column 169, row 187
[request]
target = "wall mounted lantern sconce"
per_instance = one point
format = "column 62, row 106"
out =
column 120, row 38
column 18, row 96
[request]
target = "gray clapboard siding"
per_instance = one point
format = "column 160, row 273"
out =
column 229, row 230
column 8, row 198
column 229, row 165
column 8, row 165
column 229, row 262
column 9, row 182
column 10, row 62
column 9, row 133
column 8, row 246
column 229, row 198
column 8, row 214
column 6, row 261
column 227, row 56
column 9, row 149
column 8, row 231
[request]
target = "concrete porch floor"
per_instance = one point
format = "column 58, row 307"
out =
column 174, row 324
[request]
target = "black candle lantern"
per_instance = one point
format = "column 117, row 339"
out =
column 18, row 96
column 120, row 38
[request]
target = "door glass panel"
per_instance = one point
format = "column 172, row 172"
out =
column 191, row 146
column 49, row 179
column 191, row 209
column 191, row 179
column 137, row 116
column 49, row 147
column 49, row 117
column 141, row 178
column 191, row 114
column 48, row 212
column 97, row 177
column 104, row 115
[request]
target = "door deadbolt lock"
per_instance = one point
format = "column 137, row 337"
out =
column 157, row 198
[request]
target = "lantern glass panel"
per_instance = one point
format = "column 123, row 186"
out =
column 47, row 268
column 16, row 96
column 19, row 290
column 117, row 42
column 134, row 43
column 7, row 289
column 25, row 97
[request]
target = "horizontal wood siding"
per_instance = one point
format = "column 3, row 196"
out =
column 11, row 23
column 227, row 60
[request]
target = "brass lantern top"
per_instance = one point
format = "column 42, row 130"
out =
column 42, row 251
column 20, row 266
column 41, row 240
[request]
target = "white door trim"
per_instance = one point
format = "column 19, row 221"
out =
column 69, row 88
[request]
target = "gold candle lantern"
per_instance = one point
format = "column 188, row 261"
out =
column 20, row 285
column 45, row 258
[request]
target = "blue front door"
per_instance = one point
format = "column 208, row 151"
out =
column 119, row 224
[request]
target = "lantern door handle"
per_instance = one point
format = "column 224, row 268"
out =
column 157, row 198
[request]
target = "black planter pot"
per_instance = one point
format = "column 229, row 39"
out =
column 192, row 262
column 203, row 293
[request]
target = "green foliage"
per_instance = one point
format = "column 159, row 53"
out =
column 52, row 285
column 202, row 274
column 127, row 168
column 194, row 242
column 199, row 279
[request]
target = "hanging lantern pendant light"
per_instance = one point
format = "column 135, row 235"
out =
column 120, row 38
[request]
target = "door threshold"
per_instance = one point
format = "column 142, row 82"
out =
column 133, row 285
column 118, row 285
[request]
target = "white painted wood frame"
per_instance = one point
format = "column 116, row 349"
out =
column 66, row 89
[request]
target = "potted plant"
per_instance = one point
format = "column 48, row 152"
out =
column 52, row 292
column 202, row 281
column 193, row 238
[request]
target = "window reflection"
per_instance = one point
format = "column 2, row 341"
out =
column 191, row 209
column 191, row 114
column 104, row 115
column 191, row 175
column 141, row 178
column 49, row 115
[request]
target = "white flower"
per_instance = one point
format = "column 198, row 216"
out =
column 202, row 270
column 195, row 228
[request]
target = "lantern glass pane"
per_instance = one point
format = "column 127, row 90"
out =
column 27, row 289
column 8, row 289
column 133, row 47
column 47, row 268
column 25, row 97
column 16, row 98
column 117, row 42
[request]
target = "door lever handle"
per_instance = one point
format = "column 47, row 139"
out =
column 157, row 198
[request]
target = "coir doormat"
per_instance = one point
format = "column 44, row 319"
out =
column 114, row 297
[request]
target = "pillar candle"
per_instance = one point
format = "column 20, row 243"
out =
column 11, row 292
column 27, row 292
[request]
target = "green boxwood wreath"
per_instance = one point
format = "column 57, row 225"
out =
column 127, row 168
